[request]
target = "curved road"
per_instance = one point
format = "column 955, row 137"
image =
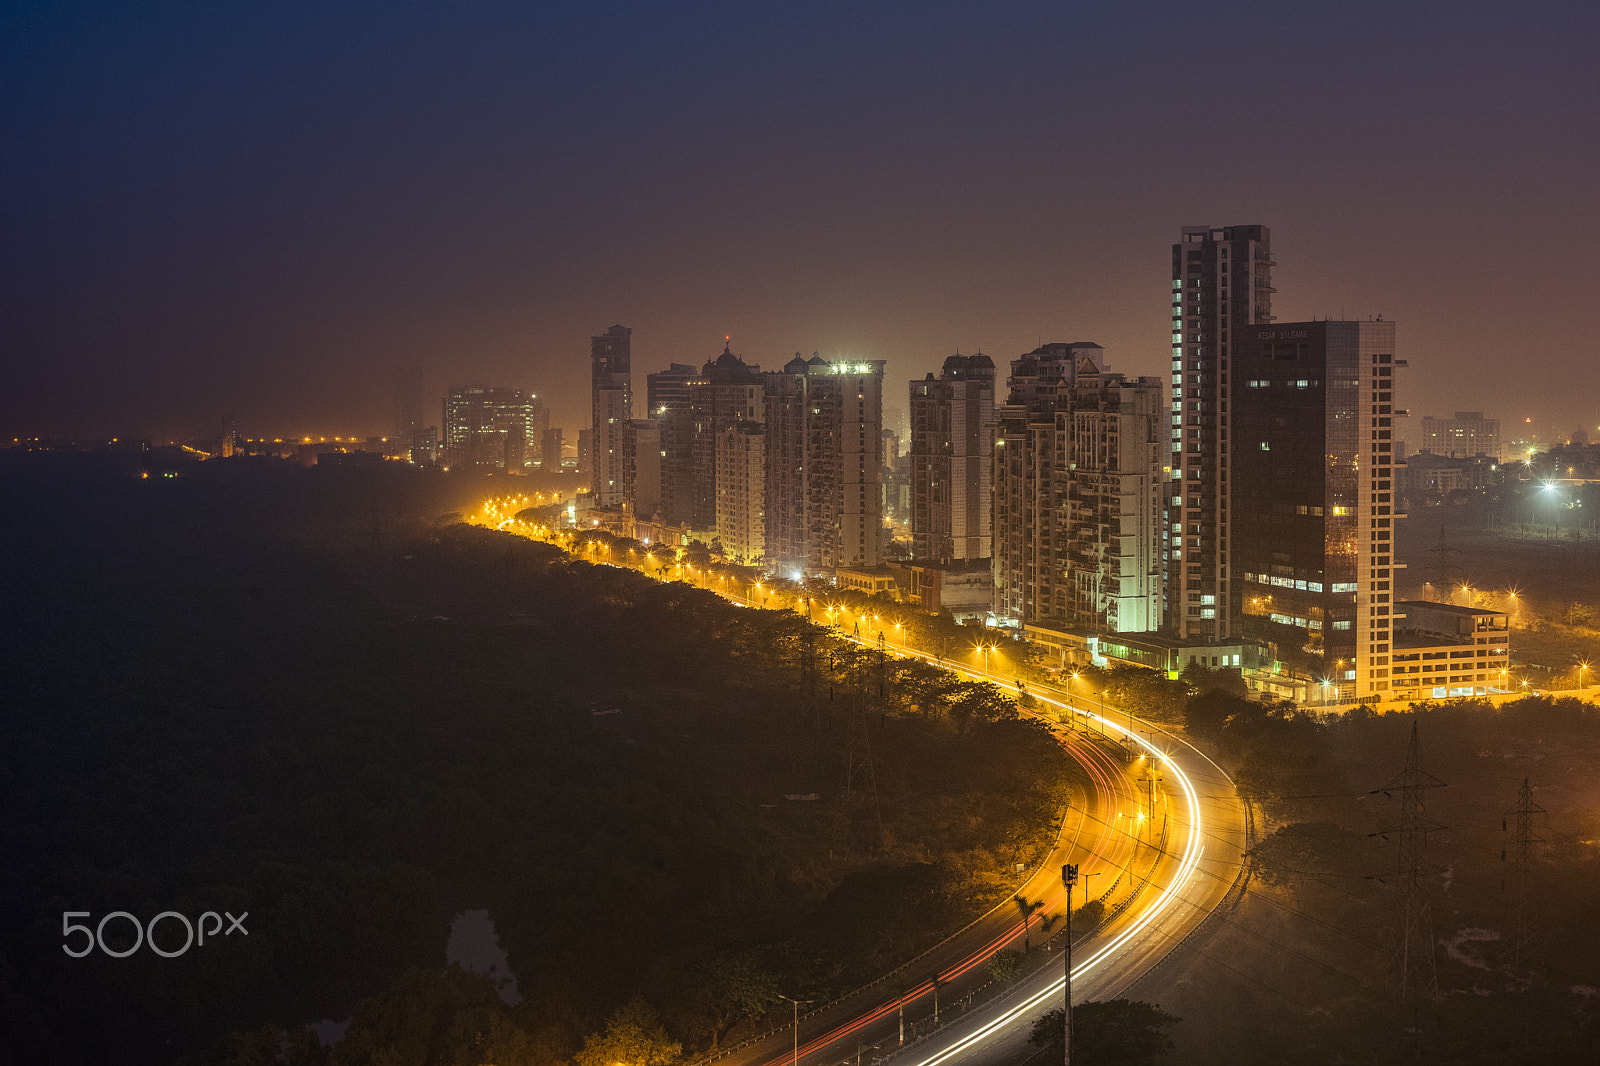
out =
column 1172, row 869
column 1163, row 849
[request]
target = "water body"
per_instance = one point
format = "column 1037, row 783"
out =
column 475, row 946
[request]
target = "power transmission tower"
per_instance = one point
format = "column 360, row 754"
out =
column 883, row 671
column 859, row 772
column 1522, row 861
column 1447, row 574
column 1414, row 956
column 808, row 674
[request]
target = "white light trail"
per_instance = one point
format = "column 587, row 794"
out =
column 1189, row 862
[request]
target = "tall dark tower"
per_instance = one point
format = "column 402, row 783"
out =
column 407, row 403
column 611, row 416
column 1314, row 509
column 1221, row 286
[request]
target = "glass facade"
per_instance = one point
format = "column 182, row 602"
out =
column 1301, row 495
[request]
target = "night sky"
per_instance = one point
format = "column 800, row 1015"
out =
column 263, row 209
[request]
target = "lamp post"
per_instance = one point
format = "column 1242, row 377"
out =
column 1069, row 877
column 798, row 1003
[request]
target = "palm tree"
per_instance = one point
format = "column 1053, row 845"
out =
column 1027, row 910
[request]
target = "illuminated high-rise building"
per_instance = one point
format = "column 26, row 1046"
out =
column 1078, row 478
column 611, row 417
column 727, row 391
column 741, row 490
column 824, row 441
column 668, row 402
column 1221, row 288
column 491, row 426
column 1314, row 506
column 952, row 457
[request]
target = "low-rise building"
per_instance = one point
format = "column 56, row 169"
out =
column 965, row 588
column 1442, row 650
column 868, row 580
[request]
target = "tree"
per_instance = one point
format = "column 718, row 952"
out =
column 267, row 1046
column 717, row 992
column 1314, row 850
column 431, row 1016
column 1117, row 1032
column 1583, row 616
column 1209, row 713
column 1005, row 966
column 633, row 1035
column 979, row 701
column 1203, row 679
column 1026, row 909
column 1146, row 693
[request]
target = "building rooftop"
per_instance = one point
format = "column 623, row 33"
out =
column 1447, row 608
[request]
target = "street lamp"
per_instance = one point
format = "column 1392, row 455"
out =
column 797, row 1005
column 1069, row 877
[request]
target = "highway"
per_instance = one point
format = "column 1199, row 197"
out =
column 1158, row 834
column 1168, row 872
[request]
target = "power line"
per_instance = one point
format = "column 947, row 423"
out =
column 1525, row 812
column 1415, row 957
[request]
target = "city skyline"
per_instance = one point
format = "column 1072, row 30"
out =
column 265, row 214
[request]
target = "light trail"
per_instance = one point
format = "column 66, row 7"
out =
column 1108, row 850
column 1108, row 779
column 1189, row 863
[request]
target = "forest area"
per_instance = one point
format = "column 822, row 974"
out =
column 315, row 697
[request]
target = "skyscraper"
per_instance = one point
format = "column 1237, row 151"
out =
column 668, row 395
column 490, row 426
column 668, row 389
column 1025, row 512
column 644, row 478
column 741, row 490
column 407, row 403
column 1221, row 287
column 1314, row 502
column 824, row 440
column 691, row 409
column 952, row 458
column 1078, row 482
column 611, row 416
column 550, row 449
column 727, row 391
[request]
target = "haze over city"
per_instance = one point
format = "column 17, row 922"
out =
column 262, row 212
column 599, row 534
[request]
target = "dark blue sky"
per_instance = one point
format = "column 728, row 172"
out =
column 262, row 209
